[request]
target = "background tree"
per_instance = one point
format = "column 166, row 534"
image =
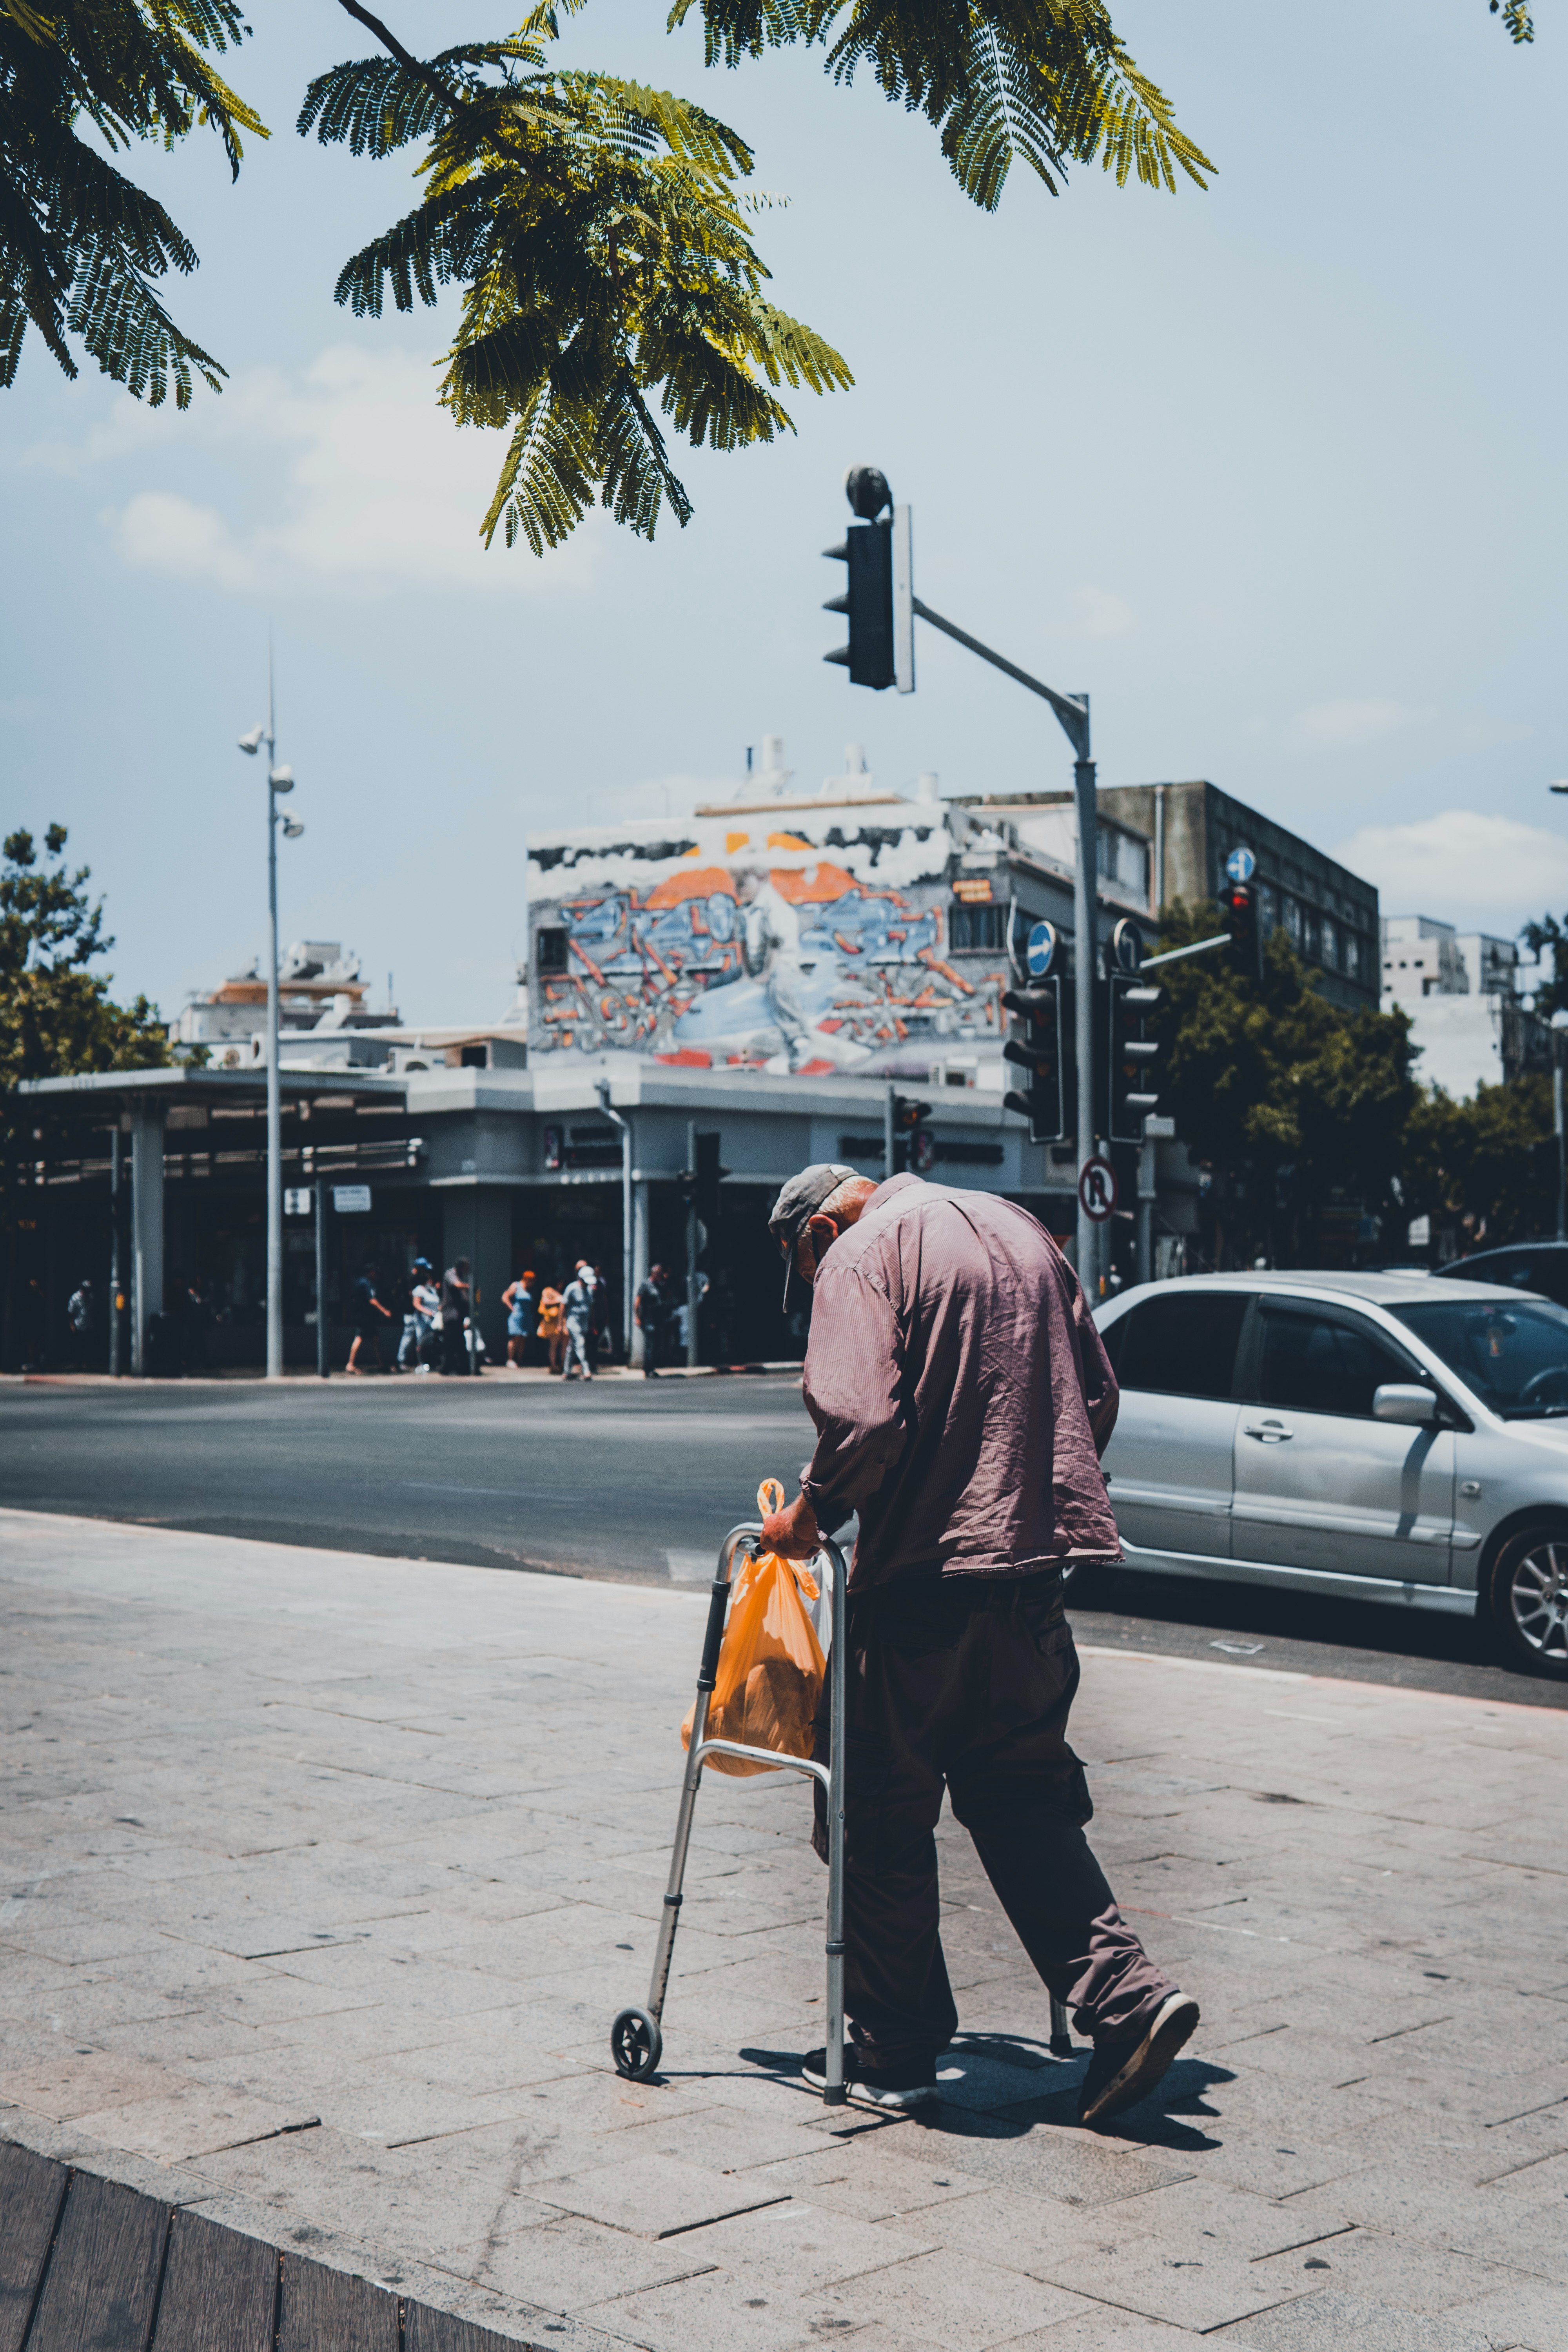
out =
column 1489, row 1164
column 1549, row 938
column 79, row 243
column 1291, row 1102
column 56, row 1018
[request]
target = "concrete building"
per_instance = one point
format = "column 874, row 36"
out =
column 766, row 969
column 1329, row 914
column 1464, row 996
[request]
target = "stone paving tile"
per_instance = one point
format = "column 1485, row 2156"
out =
column 195, row 2121
column 1035, row 2235
column 75, row 2083
column 1189, row 2283
column 568, row 2263
column 1204, row 2212
column 655, row 2195
column 720, row 2314
column 1404, row 2272
column 1529, row 2313
column 875, row 2180
column 951, row 2302
column 1330, row 2321
column 807, row 2247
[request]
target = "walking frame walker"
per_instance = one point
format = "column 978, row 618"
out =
column 636, row 2038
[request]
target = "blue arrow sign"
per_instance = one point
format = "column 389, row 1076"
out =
column 1241, row 866
column 1041, row 950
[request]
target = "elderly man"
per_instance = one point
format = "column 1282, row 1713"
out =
column 962, row 1398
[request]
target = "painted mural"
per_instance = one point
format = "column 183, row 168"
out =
column 809, row 945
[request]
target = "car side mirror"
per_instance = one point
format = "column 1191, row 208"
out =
column 1406, row 1402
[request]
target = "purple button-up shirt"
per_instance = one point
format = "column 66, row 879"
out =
column 961, row 1393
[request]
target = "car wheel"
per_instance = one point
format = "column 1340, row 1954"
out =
column 1526, row 1598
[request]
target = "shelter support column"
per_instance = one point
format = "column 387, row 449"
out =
column 640, row 1257
column 146, row 1227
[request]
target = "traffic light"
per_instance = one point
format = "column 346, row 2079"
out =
column 706, row 1178
column 913, row 1144
column 1041, row 1018
column 1238, row 912
column 867, row 549
column 1132, row 1092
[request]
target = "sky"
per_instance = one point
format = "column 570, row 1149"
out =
column 1275, row 472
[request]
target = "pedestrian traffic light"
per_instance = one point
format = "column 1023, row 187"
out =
column 1040, row 1020
column 913, row 1144
column 1132, row 1091
column 703, row 1180
column 1238, row 912
column 867, row 549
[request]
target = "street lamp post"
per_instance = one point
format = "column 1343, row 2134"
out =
column 279, row 781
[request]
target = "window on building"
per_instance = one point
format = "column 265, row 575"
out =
column 1330, row 942
column 549, row 951
column 977, row 928
column 1269, row 909
column 1292, row 910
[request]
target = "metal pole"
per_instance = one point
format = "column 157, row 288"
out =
column 274, row 1097
column 1146, row 1207
column 116, row 1250
column 834, row 2092
column 322, row 1364
column 888, row 1139
column 1557, row 1129
column 602, row 1089
column 693, row 1289
column 1085, row 894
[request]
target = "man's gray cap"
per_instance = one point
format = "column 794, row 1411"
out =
column 799, row 1201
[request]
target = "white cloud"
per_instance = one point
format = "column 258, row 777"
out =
column 1345, row 726
column 1462, row 867
column 1100, row 613
column 160, row 532
column 365, row 483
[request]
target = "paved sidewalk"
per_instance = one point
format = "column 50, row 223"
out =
column 323, row 1875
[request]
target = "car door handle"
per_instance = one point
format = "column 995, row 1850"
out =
column 1271, row 1433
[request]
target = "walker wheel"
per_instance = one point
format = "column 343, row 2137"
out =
column 635, row 2044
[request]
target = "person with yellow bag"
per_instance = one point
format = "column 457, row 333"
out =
column 961, row 1398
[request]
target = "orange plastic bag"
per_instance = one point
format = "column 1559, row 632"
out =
column 771, row 1665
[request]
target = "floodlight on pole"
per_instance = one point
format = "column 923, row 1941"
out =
column 279, row 780
column 1560, row 786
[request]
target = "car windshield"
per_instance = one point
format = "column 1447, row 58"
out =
column 1513, row 1353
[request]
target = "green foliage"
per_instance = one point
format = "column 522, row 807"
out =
column 1516, row 21
column 80, row 245
column 1046, row 80
column 1550, row 936
column 598, row 230
column 55, row 1018
column 1288, row 1099
column 1490, row 1163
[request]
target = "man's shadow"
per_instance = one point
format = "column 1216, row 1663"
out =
column 1153, row 2122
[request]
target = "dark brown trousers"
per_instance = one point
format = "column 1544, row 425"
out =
column 964, row 1683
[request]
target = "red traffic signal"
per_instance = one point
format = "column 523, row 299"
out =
column 1238, row 912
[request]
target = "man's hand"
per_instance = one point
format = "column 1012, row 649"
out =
column 794, row 1532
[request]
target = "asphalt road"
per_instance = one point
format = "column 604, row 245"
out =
column 633, row 1482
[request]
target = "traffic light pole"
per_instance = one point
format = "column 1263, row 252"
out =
column 1072, row 710
column 693, row 1280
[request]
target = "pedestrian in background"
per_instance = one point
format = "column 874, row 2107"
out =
column 456, row 1302
column 369, row 1316
column 578, row 1303
column 518, row 1300
column 551, row 1328
column 421, row 1326
column 81, row 1314
column 654, row 1308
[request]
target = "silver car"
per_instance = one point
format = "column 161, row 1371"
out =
column 1375, row 1436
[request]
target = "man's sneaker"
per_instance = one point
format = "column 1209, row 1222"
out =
column 889, row 2087
column 1123, row 2073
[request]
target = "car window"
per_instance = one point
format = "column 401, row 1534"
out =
column 1181, row 1345
column 1314, row 1361
column 1513, row 1353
